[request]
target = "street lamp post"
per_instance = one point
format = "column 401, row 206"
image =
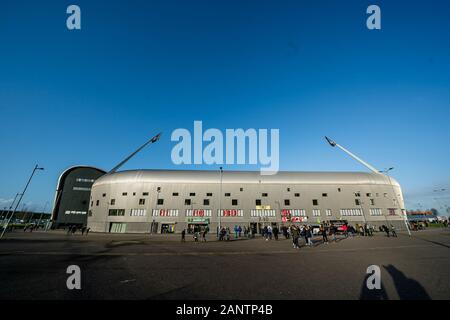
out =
column 10, row 207
column 385, row 172
column 20, row 199
column 220, row 201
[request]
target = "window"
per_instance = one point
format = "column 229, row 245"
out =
column 138, row 212
column 339, row 189
column 324, row 195
column 385, row 195
column 187, row 202
column 198, row 213
column 116, row 212
column 258, row 202
column 265, row 194
column 357, row 202
column 315, row 202
column 144, row 194
column 206, row 202
column 113, row 202
column 298, row 212
column 104, row 195
column 316, row 213
column 287, row 202
column 368, row 195
column 141, row 202
column 175, row 194
column 372, row 202
column 262, row 213
column 288, row 189
column 134, row 193
column 160, row 202
column 297, row 195
column 241, row 189
column 227, row 194
column 124, row 193
column 375, row 212
column 192, row 194
column 357, row 194
column 328, row 212
column 97, row 203
column 351, row 212
column 209, row 194
column 234, row 202
column 165, row 212
column 92, row 203
column 90, row 213
column 231, row 213
column 392, row 212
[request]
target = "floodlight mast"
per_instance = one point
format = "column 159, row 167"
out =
column 334, row 144
column 152, row 140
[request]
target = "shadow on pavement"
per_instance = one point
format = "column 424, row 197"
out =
column 407, row 288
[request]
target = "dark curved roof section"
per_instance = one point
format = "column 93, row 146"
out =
column 60, row 185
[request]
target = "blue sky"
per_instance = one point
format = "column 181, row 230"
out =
column 309, row 68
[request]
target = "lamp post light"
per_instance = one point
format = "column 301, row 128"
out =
column 385, row 172
column 20, row 199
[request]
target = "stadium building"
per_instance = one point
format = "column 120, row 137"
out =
column 160, row 201
column 72, row 196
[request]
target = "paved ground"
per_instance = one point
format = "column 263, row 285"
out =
column 33, row 266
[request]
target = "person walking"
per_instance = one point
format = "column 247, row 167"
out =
column 275, row 232
column 183, row 235
column 269, row 232
column 394, row 234
column 295, row 232
column 236, row 231
column 309, row 236
column 323, row 231
column 239, row 231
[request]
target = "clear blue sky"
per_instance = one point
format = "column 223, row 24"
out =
column 309, row 68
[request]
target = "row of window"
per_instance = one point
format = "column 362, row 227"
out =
column 234, row 202
column 264, row 194
column 239, row 212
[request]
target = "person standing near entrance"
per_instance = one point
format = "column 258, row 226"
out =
column 183, row 235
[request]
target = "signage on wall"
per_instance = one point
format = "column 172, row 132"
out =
column 299, row 219
column 198, row 220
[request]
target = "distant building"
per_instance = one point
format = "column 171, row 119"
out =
column 421, row 216
column 72, row 196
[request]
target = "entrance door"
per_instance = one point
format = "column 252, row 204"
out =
column 117, row 227
column 154, row 227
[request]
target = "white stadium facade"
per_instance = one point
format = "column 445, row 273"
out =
column 155, row 201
